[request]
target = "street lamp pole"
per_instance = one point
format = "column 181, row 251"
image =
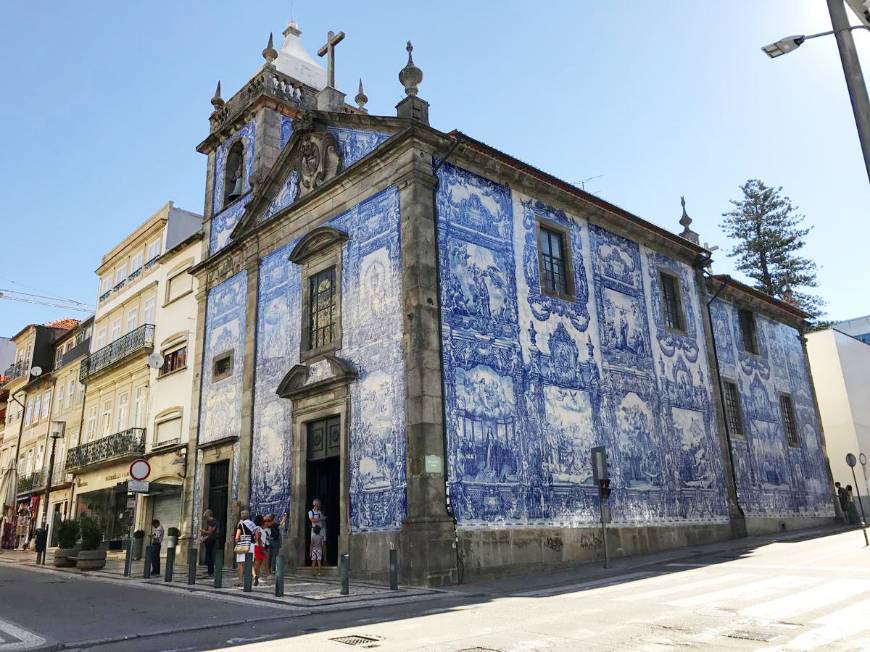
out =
column 57, row 428
column 853, row 74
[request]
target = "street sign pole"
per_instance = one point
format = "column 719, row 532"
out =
column 602, row 481
column 851, row 461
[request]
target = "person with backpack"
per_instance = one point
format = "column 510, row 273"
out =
column 244, row 538
column 208, row 535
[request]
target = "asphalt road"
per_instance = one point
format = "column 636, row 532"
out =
column 811, row 594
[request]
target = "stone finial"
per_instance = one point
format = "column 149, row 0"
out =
column 410, row 76
column 217, row 101
column 788, row 294
column 685, row 220
column 270, row 53
column 361, row 98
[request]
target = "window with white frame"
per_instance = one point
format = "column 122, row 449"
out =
column 148, row 311
column 178, row 285
column 101, row 338
column 28, row 412
column 105, row 284
column 120, row 274
column 37, row 408
column 139, row 407
column 132, row 319
column 123, row 409
column 116, row 329
column 153, row 251
column 168, row 430
column 70, row 392
column 136, row 262
column 91, row 424
column 107, row 417
column 46, row 403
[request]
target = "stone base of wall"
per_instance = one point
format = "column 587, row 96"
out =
column 756, row 525
column 489, row 553
column 370, row 555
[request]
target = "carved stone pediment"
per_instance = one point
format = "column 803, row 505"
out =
column 315, row 241
column 304, row 379
column 317, row 160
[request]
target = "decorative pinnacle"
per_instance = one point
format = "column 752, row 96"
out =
column 217, row 102
column 270, row 53
column 410, row 76
column 361, row 98
column 685, row 220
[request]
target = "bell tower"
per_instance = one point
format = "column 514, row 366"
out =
column 248, row 130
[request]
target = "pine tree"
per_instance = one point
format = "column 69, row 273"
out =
column 769, row 238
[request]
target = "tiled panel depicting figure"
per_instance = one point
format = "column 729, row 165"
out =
column 278, row 340
column 223, row 354
column 774, row 479
column 372, row 342
column 356, row 143
column 533, row 381
column 226, row 217
column 223, row 223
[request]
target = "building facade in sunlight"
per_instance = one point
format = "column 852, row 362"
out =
column 430, row 336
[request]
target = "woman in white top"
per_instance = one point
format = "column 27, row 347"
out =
column 317, row 517
column 244, row 542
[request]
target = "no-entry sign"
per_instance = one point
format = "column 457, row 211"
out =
column 140, row 469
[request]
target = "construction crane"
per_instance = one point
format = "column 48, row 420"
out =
column 41, row 300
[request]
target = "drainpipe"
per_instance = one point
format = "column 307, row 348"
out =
column 700, row 265
column 460, row 565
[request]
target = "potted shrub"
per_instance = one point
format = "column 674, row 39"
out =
column 172, row 535
column 66, row 552
column 138, row 540
column 89, row 557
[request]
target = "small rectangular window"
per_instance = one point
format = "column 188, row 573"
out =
column 788, row 422
column 747, row 331
column 322, row 309
column 553, row 262
column 222, row 366
column 733, row 415
column 168, row 431
column 178, row 286
column 173, row 361
column 672, row 305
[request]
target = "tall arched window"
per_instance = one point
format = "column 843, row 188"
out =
column 234, row 173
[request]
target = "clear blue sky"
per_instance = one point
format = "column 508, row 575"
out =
column 104, row 102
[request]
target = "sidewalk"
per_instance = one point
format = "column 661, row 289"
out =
column 300, row 593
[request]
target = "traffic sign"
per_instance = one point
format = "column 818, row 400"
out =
column 138, row 486
column 140, row 469
column 850, row 459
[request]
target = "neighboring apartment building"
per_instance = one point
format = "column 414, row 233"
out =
column 841, row 372
column 30, row 387
column 145, row 304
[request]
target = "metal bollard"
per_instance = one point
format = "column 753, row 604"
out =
column 279, row 576
column 128, row 558
column 394, row 569
column 218, row 567
column 248, row 572
column 170, row 564
column 344, row 573
column 146, row 573
column 192, row 558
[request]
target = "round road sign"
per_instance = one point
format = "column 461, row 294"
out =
column 140, row 469
column 851, row 460
column 863, row 459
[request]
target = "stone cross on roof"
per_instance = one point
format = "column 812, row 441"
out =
column 328, row 50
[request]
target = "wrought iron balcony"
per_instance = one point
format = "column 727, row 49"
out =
column 125, row 444
column 30, row 482
column 136, row 341
column 15, row 370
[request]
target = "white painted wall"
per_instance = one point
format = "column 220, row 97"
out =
column 841, row 372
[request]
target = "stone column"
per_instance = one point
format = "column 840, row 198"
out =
column 246, row 440
column 427, row 540
column 735, row 513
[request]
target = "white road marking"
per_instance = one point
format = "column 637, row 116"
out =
column 752, row 590
column 794, row 604
column 747, row 564
column 680, row 587
column 561, row 591
column 24, row 639
column 837, row 625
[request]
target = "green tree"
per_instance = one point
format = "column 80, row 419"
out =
column 769, row 235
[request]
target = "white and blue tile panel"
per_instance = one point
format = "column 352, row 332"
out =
column 533, row 382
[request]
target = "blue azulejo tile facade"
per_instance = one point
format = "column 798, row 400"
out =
column 532, row 382
column 356, row 143
column 371, row 342
column 774, row 479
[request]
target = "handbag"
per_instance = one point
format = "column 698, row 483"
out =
column 243, row 545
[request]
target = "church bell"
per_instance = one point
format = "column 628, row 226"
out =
column 236, row 192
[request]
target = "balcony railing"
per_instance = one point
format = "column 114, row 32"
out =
column 15, row 370
column 136, row 341
column 30, row 482
column 77, row 351
column 127, row 443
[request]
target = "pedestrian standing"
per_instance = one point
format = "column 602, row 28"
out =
column 274, row 543
column 261, row 543
column 208, row 538
column 316, row 517
column 842, row 496
column 315, row 551
column 851, row 510
column 156, row 542
column 244, row 537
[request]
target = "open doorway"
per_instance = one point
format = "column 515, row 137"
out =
column 324, row 482
column 217, row 496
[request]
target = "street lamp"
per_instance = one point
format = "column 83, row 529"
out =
column 57, row 429
column 842, row 30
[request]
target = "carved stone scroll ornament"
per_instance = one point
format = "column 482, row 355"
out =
column 318, row 161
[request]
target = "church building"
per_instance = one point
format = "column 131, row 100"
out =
column 430, row 336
